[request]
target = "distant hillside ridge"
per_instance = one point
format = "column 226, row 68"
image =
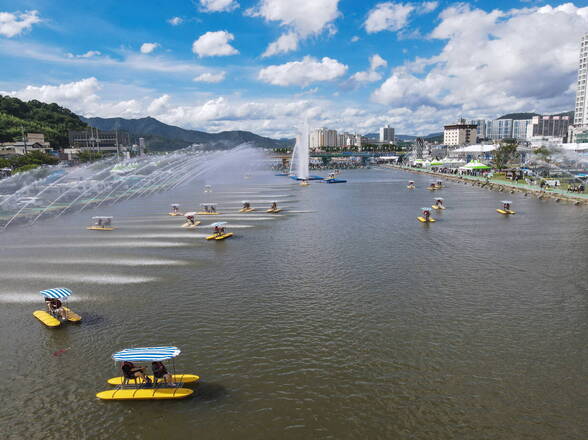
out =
column 34, row 116
column 160, row 137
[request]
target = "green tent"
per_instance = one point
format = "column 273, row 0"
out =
column 476, row 165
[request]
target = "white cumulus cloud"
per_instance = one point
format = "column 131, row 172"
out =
column 74, row 93
column 494, row 62
column 209, row 77
column 305, row 16
column 149, row 47
column 302, row 18
column 218, row 5
column 158, row 105
column 392, row 16
column 286, row 43
column 175, row 21
column 304, row 72
column 214, row 44
column 13, row 24
column 371, row 75
column 388, row 16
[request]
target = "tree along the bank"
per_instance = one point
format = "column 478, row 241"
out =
column 504, row 154
column 35, row 158
column 34, row 116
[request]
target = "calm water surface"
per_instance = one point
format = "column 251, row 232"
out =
column 342, row 317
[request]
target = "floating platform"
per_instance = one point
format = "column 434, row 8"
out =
column 177, row 378
column 71, row 315
column 309, row 178
column 100, row 228
column 282, row 174
column 334, row 180
column 46, row 318
column 506, row 212
column 219, row 237
column 424, row 220
column 145, row 394
column 191, row 225
column 175, row 214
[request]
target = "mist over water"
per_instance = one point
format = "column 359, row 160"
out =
column 342, row 317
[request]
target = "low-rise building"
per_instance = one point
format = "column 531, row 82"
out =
column 100, row 141
column 461, row 133
column 32, row 142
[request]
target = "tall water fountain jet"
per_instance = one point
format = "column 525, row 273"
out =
column 299, row 164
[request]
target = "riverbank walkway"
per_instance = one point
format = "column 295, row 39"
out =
column 501, row 185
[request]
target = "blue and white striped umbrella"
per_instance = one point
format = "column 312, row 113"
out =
column 146, row 354
column 58, row 292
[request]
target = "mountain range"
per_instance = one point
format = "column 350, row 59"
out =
column 159, row 136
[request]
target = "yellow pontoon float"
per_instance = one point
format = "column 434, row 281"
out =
column 208, row 209
column 191, row 221
column 438, row 203
column 432, row 186
column 219, row 232
column 439, row 184
column 246, row 207
column 411, row 184
column 426, row 217
column 274, row 208
column 147, row 387
column 175, row 210
column 57, row 311
column 101, row 223
column 506, row 208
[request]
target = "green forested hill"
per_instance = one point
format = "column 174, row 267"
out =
column 36, row 117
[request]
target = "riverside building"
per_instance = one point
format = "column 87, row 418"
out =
column 387, row 134
column 461, row 133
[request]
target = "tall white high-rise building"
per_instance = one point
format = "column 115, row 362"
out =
column 581, row 115
column 323, row 137
column 386, row 134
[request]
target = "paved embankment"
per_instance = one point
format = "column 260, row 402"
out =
column 502, row 186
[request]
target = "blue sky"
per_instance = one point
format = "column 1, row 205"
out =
column 262, row 65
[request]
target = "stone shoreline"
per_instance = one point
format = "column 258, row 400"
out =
column 500, row 187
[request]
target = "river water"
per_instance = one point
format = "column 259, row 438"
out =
column 341, row 317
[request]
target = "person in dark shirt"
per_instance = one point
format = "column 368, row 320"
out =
column 130, row 371
column 56, row 308
column 160, row 372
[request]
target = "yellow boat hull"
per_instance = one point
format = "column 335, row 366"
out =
column 247, row 210
column 411, row 187
column 431, row 189
column 46, row 318
column 175, row 214
column 219, row 237
column 99, row 228
column 177, row 378
column 274, row 211
column 505, row 212
column 207, row 213
column 424, row 220
column 438, row 207
column 191, row 225
column 305, row 184
column 145, row 394
column 71, row 315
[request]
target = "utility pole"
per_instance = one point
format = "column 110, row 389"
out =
column 24, row 139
